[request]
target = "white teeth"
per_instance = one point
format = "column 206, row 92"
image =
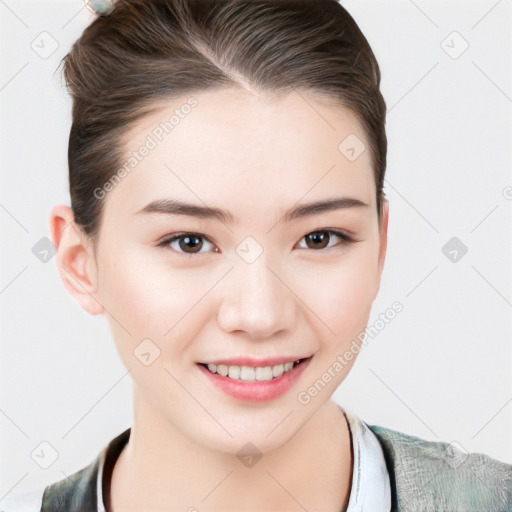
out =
column 264, row 373
column 222, row 369
column 234, row 372
column 247, row 373
column 277, row 370
column 250, row 374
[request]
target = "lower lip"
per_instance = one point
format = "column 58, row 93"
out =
column 256, row 391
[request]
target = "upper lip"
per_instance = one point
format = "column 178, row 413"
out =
column 255, row 361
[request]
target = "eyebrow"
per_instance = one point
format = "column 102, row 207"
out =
column 170, row 206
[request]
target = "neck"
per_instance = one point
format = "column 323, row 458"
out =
column 312, row 471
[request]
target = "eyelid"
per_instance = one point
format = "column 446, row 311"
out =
column 164, row 242
column 346, row 239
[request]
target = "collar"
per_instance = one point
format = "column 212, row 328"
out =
column 370, row 478
column 371, row 489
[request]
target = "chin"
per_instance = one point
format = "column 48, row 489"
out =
column 261, row 436
column 245, row 445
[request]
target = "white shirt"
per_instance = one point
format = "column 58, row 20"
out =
column 370, row 491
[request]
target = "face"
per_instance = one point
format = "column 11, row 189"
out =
column 253, row 287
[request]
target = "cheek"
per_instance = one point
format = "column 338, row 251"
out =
column 342, row 301
column 146, row 300
column 354, row 295
column 145, row 293
column 340, row 294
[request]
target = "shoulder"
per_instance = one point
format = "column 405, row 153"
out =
column 78, row 492
column 74, row 493
column 438, row 474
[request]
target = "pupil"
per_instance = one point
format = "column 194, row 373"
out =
column 317, row 237
column 187, row 240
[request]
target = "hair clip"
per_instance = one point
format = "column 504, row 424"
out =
column 100, row 7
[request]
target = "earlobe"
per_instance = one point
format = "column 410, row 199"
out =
column 75, row 259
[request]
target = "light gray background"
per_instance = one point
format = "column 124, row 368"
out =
column 440, row 370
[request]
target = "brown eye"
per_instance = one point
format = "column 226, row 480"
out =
column 190, row 242
column 320, row 239
column 185, row 243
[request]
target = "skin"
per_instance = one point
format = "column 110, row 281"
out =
column 255, row 155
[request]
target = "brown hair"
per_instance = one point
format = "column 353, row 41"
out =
column 147, row 51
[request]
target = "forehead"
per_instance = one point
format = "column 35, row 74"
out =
column 229, row 145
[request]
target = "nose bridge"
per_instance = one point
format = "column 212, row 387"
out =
column 253, row 269
column 258, row 282
column 257, row 301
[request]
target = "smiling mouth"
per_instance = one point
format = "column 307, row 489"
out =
column 251, row 373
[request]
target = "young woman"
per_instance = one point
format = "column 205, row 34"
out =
column 226, row 168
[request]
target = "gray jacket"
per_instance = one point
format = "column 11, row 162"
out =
column 435, row 476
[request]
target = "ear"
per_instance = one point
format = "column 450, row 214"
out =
column 383, row 241
column 76, row 261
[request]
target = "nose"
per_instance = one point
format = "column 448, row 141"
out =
column 257, row 300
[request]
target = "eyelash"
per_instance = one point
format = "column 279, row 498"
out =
column 164, row 244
